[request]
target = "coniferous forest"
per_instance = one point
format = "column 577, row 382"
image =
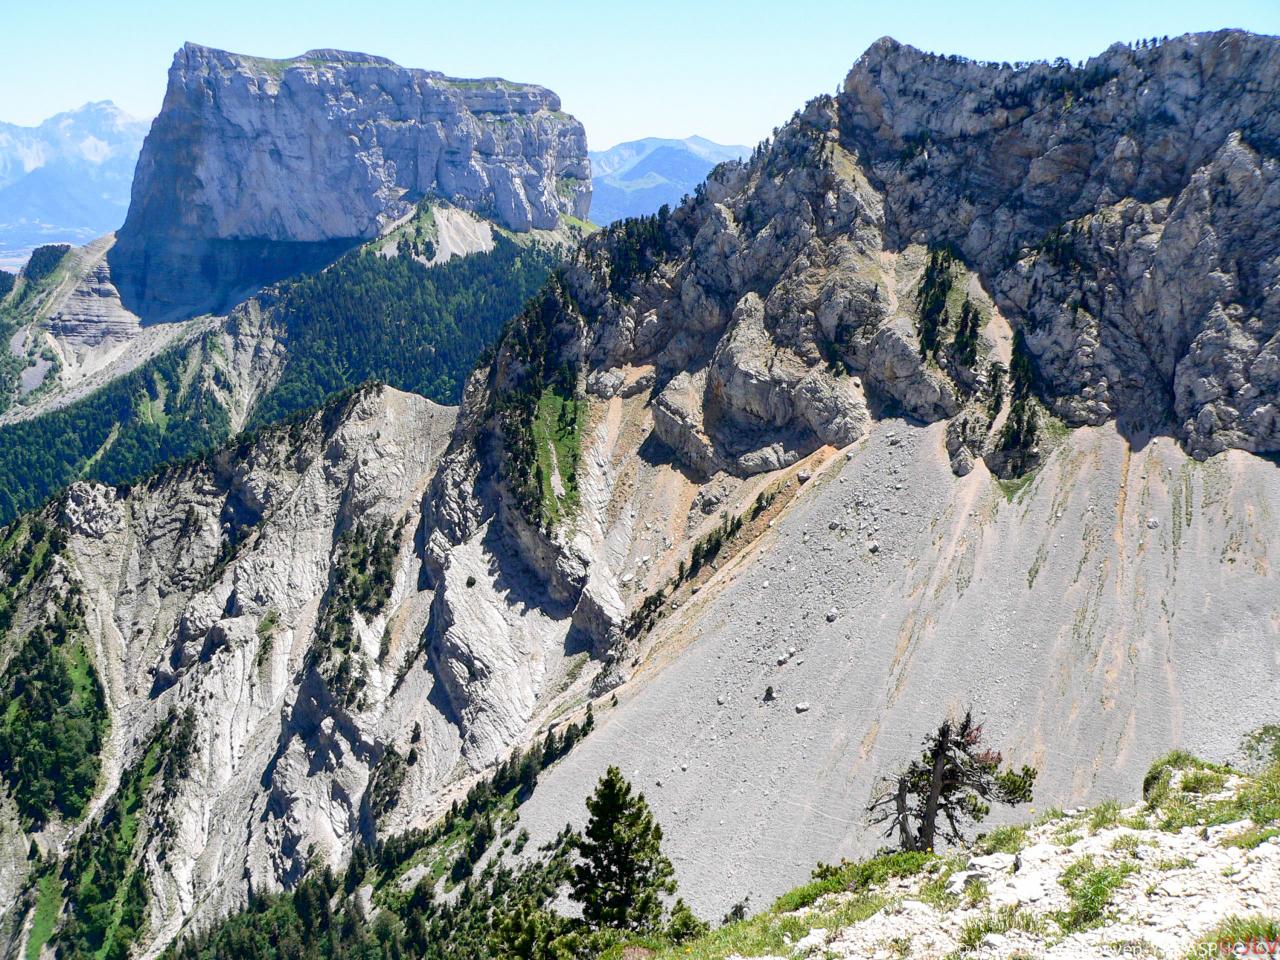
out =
column 367, row 317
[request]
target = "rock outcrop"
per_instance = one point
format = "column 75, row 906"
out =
column 256, row 169
column 1123, row 213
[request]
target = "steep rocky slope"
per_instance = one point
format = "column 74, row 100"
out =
column 791, row 471
column 226, row 588
column 256, row 168
column 722, row 351
column 1112, row 609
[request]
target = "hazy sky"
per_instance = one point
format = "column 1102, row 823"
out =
column 727, row 70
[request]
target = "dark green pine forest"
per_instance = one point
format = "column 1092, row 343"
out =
column 366, row 317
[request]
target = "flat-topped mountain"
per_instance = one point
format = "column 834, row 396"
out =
column 256, row 169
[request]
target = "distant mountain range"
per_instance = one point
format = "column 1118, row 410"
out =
column 66, row 180
column 639, row 176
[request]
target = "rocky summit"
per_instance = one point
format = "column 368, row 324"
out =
column 959, row 391
column 256, row 169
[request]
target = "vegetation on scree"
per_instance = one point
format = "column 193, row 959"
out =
column 942, row 308
column 705, row 551
column 537, row 399
column 105, row 877
column 538, row 409
column 54, row 717
column 360, row 581
column 1022, row 427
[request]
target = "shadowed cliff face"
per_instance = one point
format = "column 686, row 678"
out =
column 257, row 169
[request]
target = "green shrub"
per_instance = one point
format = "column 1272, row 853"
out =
column 1008, row 839
column 1202, row 781
column 1104, row 815
column 1089, row 888
column 1156, row 782
column 1227, row 936
column 856, row 877
column 1004, row 920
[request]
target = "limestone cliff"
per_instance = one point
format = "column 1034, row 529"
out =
column 1123, row 213
column 257, row 168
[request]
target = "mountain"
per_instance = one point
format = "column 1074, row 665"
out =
column 958, row 392
column 636, row 178
column 443, row 220
column 228, row 194
column 66, row 180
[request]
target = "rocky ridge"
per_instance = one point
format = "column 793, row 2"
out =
column 870, row 260
column 235, row 605
column 834, row 418
column 721, row 351
column 1120, row 212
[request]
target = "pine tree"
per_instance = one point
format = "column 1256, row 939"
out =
column 622, row 873
column 953, row 782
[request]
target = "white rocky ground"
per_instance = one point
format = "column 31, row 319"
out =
column 1172, row 889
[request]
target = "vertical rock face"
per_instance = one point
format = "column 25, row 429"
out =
column 256, row 169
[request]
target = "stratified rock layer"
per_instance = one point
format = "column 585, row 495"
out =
column 256, row 169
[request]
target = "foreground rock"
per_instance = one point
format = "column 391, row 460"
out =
column 1135, row 881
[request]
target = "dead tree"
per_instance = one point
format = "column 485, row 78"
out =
column 952, row 784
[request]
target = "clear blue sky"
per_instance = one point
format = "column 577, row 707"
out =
column 728, row 69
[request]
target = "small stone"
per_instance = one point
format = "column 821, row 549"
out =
column 832, row 614
column 961, row 880
column 802, row 706
column 1153, row 523
column 720, row 700
column 873, row 547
